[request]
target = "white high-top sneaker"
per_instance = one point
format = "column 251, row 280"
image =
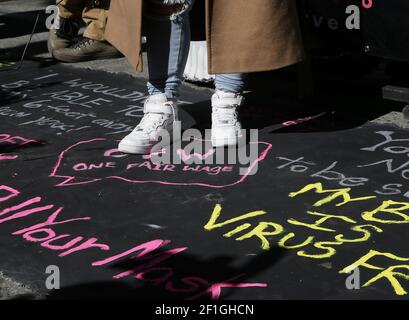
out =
column 159, row 114
column 226, row 127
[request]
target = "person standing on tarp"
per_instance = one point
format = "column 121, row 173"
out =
column 64, row 43
column 242, row 36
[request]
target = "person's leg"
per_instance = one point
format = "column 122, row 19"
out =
column 231, row 82
column 71, row 9
column 67, row 27
column 228, row 98
column 167, row 30
column 95, row 16
column 168, row 41
column 93, row 45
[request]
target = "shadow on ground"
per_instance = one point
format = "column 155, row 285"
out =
column 218, row 269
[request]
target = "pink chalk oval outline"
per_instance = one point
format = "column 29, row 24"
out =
column 68, row 179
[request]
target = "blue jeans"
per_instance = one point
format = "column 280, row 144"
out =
column 168, row 42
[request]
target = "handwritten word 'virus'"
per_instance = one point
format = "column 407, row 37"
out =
column 323, row 238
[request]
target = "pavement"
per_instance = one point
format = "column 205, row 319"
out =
column 11, row 289
column 362, row 103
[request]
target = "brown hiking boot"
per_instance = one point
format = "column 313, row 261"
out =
column 64, row 36
column 87, row 49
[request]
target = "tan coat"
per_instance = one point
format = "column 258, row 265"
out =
column 242, row 35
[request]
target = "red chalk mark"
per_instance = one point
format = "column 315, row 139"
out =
column 295, row 122
column 149, row 263
column 20, row 206
column 8, row 138
column 93, row 166
column 193, row 283
column 70, row 180
column 90, row 243
column 156, row 153
column 51, row 221
column 156, row 281
column 367, row 4
column 155, row 260
column 12, row 193
column 149, row 260
column 47, row 244
column 26, row 213
column 115, row 153
column 29, row 236
column 187, row 156
column 145, row 248
column 4, row 157
column 14, row 140
column 42, row 232
column 215, row 289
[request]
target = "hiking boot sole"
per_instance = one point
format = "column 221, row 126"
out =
column 61, row 56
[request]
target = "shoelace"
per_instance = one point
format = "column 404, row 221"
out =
column 83, row 43
column 152, row 121
column 226, row 115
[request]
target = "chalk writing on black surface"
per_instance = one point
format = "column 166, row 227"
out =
column 146, row 257
column 10, row 141
column 338, row 199
column 111, row 164
column 320, row 238
column 73, row 109
column 337, row 218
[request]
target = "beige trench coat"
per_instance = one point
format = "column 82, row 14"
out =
column 242, row 35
